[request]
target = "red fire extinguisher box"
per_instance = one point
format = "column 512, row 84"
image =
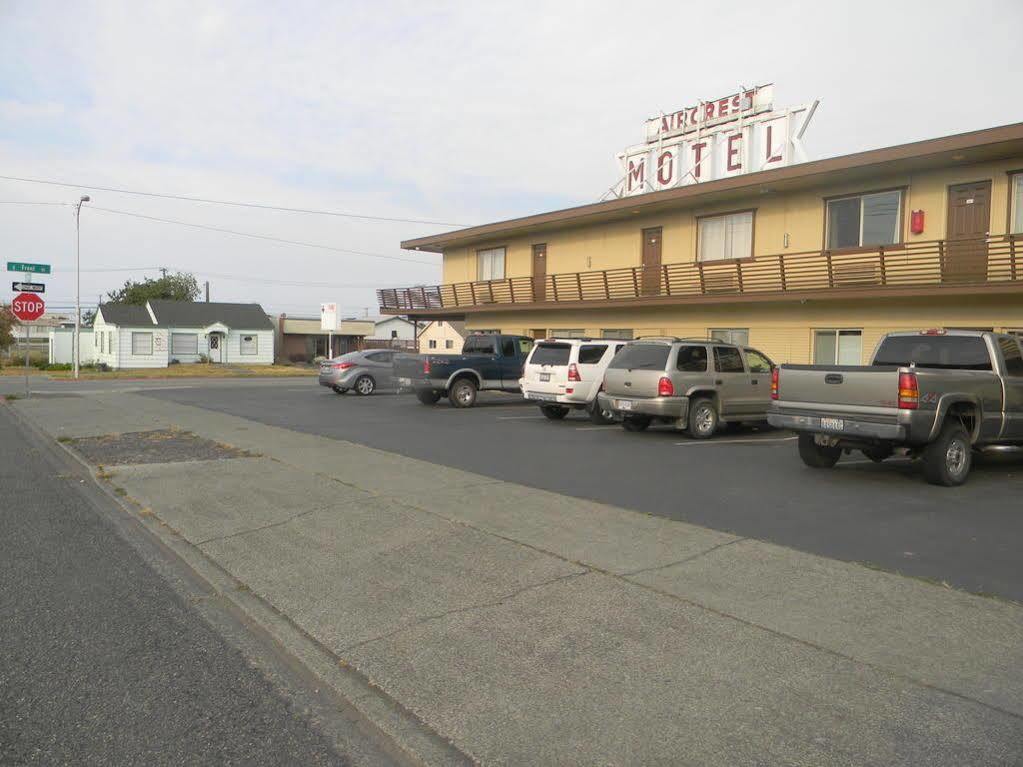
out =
column 916, row 222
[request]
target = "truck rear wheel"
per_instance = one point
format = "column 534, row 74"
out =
column 427, row 396
column 554, row 412
column 817, row 456
column 948, row 459
column 463, row 393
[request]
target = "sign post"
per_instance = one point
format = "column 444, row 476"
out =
column 328, row 322
column 27, row 306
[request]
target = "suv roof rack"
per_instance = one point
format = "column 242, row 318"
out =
column 668, row 339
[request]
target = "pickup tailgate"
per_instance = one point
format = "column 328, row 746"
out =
column 408, row 366
column 838, row 388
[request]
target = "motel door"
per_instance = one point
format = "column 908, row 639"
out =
column 652, row 262
column 539, row 272
column 969, row 221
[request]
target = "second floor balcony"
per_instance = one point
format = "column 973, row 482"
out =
column 933, row 267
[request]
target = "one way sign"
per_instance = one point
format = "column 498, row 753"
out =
column 28, row 287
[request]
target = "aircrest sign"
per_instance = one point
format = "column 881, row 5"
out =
column 736, row 134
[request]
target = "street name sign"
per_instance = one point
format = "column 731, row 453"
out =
column 27, row 307
column 17, row 266
column 28, row 287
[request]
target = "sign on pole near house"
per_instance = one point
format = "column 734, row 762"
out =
column 17, row 266
column 729, row 136
column 28, row 287
column 28, row 307
column 328, row 317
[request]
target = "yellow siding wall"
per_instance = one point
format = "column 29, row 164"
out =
column 798, row 214
column 783, row 331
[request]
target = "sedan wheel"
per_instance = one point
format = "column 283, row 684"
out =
column 365, row 385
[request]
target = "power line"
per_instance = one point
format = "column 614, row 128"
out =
column 259, row 236
column 24, row 202
column 234, row 203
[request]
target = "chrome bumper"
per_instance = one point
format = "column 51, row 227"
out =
column 671, row 408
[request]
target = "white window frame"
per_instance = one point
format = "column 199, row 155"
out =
column 897, row 239
column 1016, row 203
column 490, row 263
column 174, row 346
column 140, row 334
column 837, row 332
column 255, row 344
column 726, row 335
column 728, row 253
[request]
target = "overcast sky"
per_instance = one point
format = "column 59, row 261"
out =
column 462, row 112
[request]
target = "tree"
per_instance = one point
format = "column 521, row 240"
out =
column 7, row 323
column 171, row 287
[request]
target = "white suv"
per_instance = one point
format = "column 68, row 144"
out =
column 563, row 374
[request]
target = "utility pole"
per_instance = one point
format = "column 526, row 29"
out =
column 163, row 272
column 78, row 281
column 207, row 291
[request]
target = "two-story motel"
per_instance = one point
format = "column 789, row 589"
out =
column 808, row 262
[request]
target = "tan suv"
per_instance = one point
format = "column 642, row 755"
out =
column 693, row 384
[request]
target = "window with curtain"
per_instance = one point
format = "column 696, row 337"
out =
column 142, row 344
column 184, row 343
column 838, row 347
column 725, row 237
column 737, row 336
column 490, row 264
column 864, row 220
column 249, row 345
column 1016, row 190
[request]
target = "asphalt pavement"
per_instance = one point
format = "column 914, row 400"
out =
column 746, row 482
column 104, row 662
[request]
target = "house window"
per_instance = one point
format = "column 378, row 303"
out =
column 568, row 333
column 864, row 220
column 737, row 336
column 449, row 344
column 142, row 344
column 837, row 347
column 490, row 264
column 433, row 343
column 249, row 345
column 624, row 334
column 184, row 343
column 1016, row 197
column 394, row 334
column 721, row 238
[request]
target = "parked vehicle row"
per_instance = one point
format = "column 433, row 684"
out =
column 934, row 395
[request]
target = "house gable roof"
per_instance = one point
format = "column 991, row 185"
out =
column 125, row 314
column 199, row 315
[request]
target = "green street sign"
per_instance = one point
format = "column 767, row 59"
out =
column 14, row 266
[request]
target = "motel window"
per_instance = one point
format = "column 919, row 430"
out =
column 864, row 220
column 490, row 264
column 249, row 345
column 142, row 344
column 622, row 334
column 433, row 343
column 568, row 333
column 449, row 344
column 721, row 238
column 1016, row 192
column 184, row 343
column 838, row 347
column 737, row 336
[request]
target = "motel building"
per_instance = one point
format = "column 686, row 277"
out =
column 742, row 239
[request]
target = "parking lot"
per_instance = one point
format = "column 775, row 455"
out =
column 746, row 481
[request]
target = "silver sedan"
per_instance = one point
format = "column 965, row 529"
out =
column 362, row 372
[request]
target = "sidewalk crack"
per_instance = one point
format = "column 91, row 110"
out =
column 456, row 610
column 271, row 525
column 690, row 558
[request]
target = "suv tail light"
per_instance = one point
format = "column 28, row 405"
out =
column 573, row 373
column 426, row 367
column 665, row 388
column 774, row 383
column 909, row 391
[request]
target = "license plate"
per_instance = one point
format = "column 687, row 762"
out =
column 404, row 382
column 833, row 424
column 545, row 377
column 623, row 404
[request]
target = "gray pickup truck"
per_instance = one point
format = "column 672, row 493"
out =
column 936, row 395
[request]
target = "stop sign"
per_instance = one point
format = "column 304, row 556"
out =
column 27, row 307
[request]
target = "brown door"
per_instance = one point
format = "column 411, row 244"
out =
column 540, row 272
column 538, row 333
column 969, row 221
column 652, row 261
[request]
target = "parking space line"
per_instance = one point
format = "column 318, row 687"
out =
column 596, row 428
column 712, row 442
column 519, row 417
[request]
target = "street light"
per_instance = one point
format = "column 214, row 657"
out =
column 78, row 281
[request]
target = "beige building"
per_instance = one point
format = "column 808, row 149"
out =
column 442, row 337
column 810, row 262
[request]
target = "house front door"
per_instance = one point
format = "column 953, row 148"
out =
column 216, row 347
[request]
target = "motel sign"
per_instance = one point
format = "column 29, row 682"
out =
column 736, row 134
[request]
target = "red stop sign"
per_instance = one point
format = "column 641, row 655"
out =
column 28, row 307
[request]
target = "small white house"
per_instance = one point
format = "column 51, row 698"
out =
column 442, row 337
column 62, row 345
column 393, row 329
column 151, row 336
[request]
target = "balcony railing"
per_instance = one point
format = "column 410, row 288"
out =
column 932, row 264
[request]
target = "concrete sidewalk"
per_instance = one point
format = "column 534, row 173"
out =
column 530, row 627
